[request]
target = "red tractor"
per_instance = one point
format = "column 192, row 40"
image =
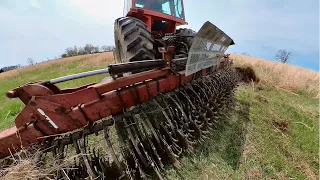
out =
column 150, row 24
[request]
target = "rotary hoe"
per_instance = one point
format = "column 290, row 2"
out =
column 163, row 96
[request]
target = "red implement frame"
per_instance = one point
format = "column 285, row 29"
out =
column 50, row 111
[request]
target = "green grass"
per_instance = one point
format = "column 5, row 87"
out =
column 249, row 144
column 10, row 107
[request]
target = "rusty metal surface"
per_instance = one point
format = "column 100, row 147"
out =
column 65, row 112
column 154, row 133
column 13, row 139
column 157, row 120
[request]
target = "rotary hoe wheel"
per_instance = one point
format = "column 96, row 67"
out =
column 138, row 143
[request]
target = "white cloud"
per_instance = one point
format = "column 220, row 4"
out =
column 35, row 4
column 98, row 9
column 275, row 24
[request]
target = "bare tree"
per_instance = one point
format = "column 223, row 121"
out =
column 283, row 56
column 96, row 49
column 75, row 51
column 64, row 55
column 81, row 51
column 89, row 48
column 30, row 61
column 104, row 48
column 69, row 52
column 72, row 51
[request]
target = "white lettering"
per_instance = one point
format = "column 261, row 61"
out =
column 48, row 118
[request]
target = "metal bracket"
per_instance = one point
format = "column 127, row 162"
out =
column 167, row 53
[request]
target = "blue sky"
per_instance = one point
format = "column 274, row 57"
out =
column 43, row 29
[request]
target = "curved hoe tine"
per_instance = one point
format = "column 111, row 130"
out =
column 201, row 140
column 182, row 139
column 214, row 110
column 157, row 157
column 177, row 149
column 172, row 154
column 154, row 166
column 196, row 128
column 201, row 125
column 192, row 142
column 172, row 157
column 210, row 125
column 190, row 131
column 165, row 114
column 180, row 108
column 134, row 143
column 174, row 140
column 84, row 157
column 142, row 174
column 206, row 132
column 198, row 122
column 149, row 158
column 204, row 114
column 94, row 153
column 205, row 137
column 110, row 148
column 150, row 144
column 175, row 155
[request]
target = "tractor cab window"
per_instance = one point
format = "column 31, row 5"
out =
column 170, row 7
column 178, row 9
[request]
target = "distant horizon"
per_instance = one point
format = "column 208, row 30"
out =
column 24, row 66
column 44, row 29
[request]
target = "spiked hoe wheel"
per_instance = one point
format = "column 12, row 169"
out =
column 128, row 127
column 137, row 143
column 141, row 140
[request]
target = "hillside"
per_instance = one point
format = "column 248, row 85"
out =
column 271, row 132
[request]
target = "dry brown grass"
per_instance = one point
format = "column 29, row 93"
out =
column 87, row 59
column 28, row 165
column 26, row 169
column 281, row 75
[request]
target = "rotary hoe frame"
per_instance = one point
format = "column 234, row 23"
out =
column 185, row 111
column 146, row 120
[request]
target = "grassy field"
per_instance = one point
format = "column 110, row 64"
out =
column 292, row 78
column 270, row 133
column 45, row 71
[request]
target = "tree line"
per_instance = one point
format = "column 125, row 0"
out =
column 87, row 49
column 8, row 68
column 69, row 52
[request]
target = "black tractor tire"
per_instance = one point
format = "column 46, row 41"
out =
column 189, row 33
column 133, row 40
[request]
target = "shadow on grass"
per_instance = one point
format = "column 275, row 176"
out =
column 235, row 136
column 228, row 140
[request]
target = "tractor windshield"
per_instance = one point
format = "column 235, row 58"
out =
column 170, row 7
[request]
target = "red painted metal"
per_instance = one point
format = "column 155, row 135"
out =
column 13, row 140
column 149, row 16
column 47, row 113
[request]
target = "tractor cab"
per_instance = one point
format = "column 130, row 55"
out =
column 160, row 16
